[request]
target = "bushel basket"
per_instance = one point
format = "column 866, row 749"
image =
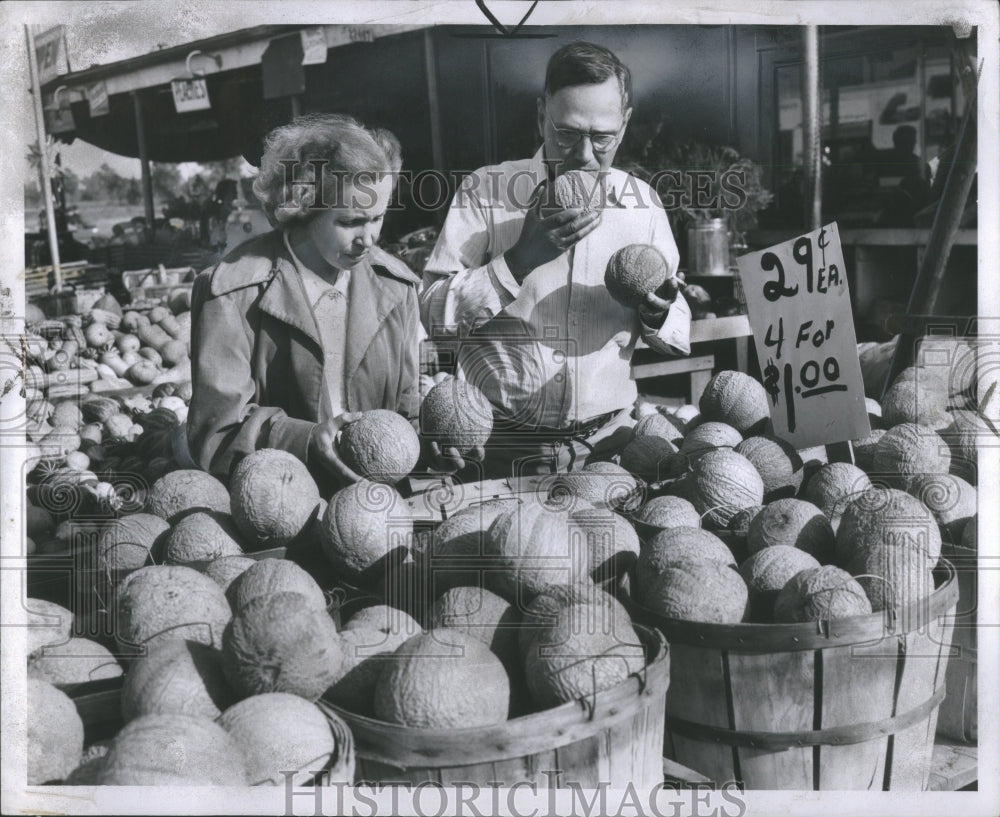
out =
column 848, row 703
column 613, row 737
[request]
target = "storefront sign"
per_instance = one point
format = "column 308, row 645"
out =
column 800, row 312
column 190, row 95
column 97, row 98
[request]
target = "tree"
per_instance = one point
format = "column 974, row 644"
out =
column 166, row 181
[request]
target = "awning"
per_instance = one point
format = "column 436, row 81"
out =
column 233, row 68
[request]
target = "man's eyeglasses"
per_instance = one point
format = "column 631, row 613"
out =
column 567, row 138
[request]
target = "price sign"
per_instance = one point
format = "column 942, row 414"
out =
column 190, row 95
column 800, row 312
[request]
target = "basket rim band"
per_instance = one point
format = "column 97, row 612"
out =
column 833, row 736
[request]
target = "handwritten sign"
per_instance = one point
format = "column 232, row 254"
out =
column 800, row 312
column 190, row 95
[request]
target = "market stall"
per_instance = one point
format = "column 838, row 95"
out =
column 760, row 587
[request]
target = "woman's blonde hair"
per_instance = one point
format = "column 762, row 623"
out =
column 341, row 146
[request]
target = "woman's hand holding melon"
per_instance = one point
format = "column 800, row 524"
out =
column 323, row 447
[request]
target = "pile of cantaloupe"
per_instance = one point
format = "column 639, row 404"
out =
column 509, row 607
column 807, row 539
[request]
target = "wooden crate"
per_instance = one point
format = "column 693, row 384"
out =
column 851, row 704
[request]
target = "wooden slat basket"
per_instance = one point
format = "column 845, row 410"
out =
column 958, row 716
column 614, row 737
column 850, row 703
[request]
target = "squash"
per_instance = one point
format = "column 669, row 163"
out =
column 154, row 336
column 170, row 325
column 114, row 361
column 150, row 353
column 98, row 335
column 142, row 372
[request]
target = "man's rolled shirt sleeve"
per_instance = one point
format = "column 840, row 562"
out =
column 461, row 285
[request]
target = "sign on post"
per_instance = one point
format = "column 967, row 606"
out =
column 190, row 95
column 799, row 307
column 50, row 54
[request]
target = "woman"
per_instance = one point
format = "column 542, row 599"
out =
column 298, row 330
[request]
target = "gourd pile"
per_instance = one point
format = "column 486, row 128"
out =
column 232, row 650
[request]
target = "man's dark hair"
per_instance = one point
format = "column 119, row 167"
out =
column 582, row 63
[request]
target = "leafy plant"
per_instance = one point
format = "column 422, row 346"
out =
column 730, row 187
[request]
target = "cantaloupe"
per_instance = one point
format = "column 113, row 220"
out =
column 540, row 613
column 663, row 512
column 443, row 679
column 737, row 399
column 724, row 483
column 967, row 430
column 127, row 543
column 577, row 655
column 166, row 602
column 948, row 360
column 918, row 400
column 602, row 484
column 678, row 545
column 455, row 413
column 482, row 614
column 176, row 677
column 281, row 643
column 381, row 445
column 85, row 774
column 274, row 576
column 201, row 537
column 653, row 459
column 699, row 590
column 706, row 437
column 658, row 424
column 887, row 516
column 574, row 189
column 366, row 651
column 273, row 497
column 633, row 272
column 612, row 543
column 951, row 499
column 385, row 619
column 224, row 570
column 48, row 624
column 833, row 487
column 778, row 463
column 821, row 594
column 892, row 536
column 874, row 409
column 907, row 451
column 54, row 743
column 280, row 734
column 459, row 549
column 532, row 548
column 366, row 526
column 970, row 534
column 78, row 661
column 767, row 572
column 173, row 750
column 792, row 522
column 864, row 449
column 186, row 490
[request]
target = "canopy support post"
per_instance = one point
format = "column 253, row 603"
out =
column 147, row 178
column 43, row 158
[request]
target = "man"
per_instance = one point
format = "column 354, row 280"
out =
column 522, row 291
